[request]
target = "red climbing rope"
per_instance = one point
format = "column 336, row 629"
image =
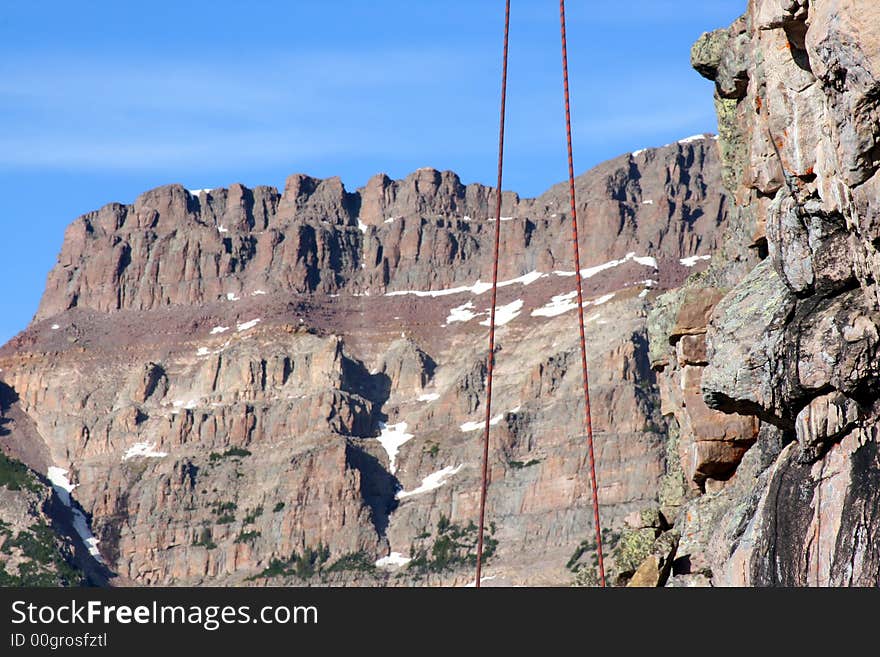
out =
column 580, row 298
column 491, row 359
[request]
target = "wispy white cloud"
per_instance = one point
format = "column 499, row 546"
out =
column 84, row 112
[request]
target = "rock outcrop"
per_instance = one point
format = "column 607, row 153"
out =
column 243, row 387
column 251, row 388
column 173, row 247
column 35, row 549
column 789, row 349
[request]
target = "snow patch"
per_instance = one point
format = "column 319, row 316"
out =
column 525, row 279
column 638, row 152
column 257, row 293
column 429, row 397
column 505, row 314
column 647, row 261
column 693, row 260
column 222, row 229
column 643, row 293
column 473, row 584
column 473, row 426
column 390, row 220
column 558, row 305
column 146, row 450
column 232, row 297
column 247, row 325
column 63, row 488
column 196, row 192
column 393, row 560
column 431, row 482
column 219, row 329
column 562, row 303
column 589, row 272
column 361, row 225
column 690, row 140
column 477, row 288
column 58, row 477
column 392, row 437
column 203, row 351
column 648, row 202
column 462, row 313
column 55, row 327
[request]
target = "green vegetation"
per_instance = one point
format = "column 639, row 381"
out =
column 225, row 512
column 519, row 465
column 610, row 541
column 303, row 566
column 623, row 548
column 206, row 540
column 278, row 507
column 313, row 562
column 45, row 565
column 232, row 452
column 358, row 561
column 586, row 576
column 15, row 475
column 585, row 546
column 251, row 517
column 454, row 547
column 432, row 448
column 247, row 537
column 633, row 548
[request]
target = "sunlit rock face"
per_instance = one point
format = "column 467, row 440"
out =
column 792, row 342
column 255, row 388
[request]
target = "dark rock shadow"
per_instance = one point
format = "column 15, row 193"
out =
column 356, row 379
column 378, row 487
column 8, row 397
column 61, row 518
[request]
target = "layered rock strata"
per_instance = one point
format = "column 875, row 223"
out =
column 255, row 388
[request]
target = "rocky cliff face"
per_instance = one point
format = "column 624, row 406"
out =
column 174, row 247
column 237, row 386
column 768, row 360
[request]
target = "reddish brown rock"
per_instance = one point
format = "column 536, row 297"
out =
column 231, row 367
column 693, row 315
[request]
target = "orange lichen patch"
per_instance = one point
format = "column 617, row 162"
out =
column 759, row 104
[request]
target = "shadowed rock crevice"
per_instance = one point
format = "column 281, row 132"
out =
column 376, row 388
column 62, row 521
column 8, row 396
column 859, row 536
column 378, row 487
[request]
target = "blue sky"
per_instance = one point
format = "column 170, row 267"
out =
column 101, row 100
